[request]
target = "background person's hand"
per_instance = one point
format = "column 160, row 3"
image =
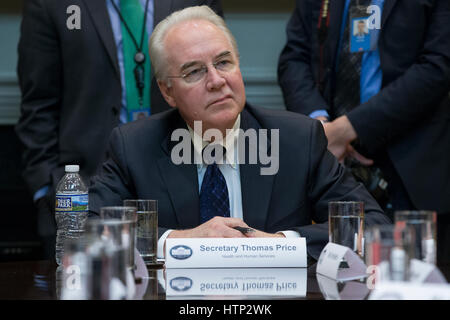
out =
column 351, row 152
column 340, row 133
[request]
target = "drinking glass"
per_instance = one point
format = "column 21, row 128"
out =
column 73, row 274
column 128, row 216
column 108, row 254
column 146, row 228
column 424, row 224
column 346, row 224
column 390, row 248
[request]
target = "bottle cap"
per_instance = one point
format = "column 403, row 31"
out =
column 72, row 168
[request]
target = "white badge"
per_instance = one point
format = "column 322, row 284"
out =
column 352, row 290
column 235, row 252
column 425, row 272
column 330, row 259
column 410, row 291
column 237, row 281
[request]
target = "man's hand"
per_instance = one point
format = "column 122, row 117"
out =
column 322, row 119
column 220, row 227
column 261, row 234
column 217, row 227
column 340, row 134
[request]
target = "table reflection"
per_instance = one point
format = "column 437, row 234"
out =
column 32, row 280
column 233, row 282
column 337, row 290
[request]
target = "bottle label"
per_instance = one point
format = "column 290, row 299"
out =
column 72, row 203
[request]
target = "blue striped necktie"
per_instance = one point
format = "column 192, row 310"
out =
column 214, row 200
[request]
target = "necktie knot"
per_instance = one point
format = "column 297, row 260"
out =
column 214, row 154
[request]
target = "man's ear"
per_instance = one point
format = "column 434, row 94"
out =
column 166, row 92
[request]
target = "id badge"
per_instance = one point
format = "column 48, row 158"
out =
column 359, row 29
column 139, row 114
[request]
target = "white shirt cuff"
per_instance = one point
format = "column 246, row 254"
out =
column 290, row 234
column 161, row 241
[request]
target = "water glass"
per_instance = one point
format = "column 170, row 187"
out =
column 146, row 228
column 73, row 274
column 129, row 217
column 424, row 224
column 108, row 256
column 390, row 248
column 346, row 224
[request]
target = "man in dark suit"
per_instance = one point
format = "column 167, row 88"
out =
column 196, row 63
column 74, row 88
column 389, row 107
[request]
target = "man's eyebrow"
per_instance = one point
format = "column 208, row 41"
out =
column 223, row 54
column 189, row 64
column 193, row 63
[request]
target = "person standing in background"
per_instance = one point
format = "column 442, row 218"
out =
column 383, row 98
column 83, row 69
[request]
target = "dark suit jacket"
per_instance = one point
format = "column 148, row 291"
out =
column 410, row 118
column 140, row 166
column 70, row 82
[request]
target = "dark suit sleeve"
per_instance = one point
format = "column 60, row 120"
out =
column 39, row 73
column 416, row 94
column 295, row 74
column 329, row 181
column 113, row 184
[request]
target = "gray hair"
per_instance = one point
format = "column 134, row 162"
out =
column 156, row 44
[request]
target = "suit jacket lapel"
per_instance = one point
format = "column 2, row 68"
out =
column 256, row 189
column 387, row 9
column 181, row 181
column 100, row 17
column 336, row 11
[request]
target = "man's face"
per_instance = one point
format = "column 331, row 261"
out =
column 219, row 96
column 361, row 26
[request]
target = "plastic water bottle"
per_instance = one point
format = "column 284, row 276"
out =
column 71, row 208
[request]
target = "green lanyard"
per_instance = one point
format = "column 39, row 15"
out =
column 135, row 62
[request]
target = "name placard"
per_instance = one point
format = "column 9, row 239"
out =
column 410, row 291
column 419, row 272
column 425, row 272
column 349, row 290
column 235, row 252
column 330, row 260
column 236, row 281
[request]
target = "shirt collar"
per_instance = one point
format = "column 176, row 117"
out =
column 229, row 144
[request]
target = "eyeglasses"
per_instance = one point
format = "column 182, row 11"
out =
column 195, row 72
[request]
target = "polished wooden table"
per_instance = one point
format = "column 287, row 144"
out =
column 37, row 280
